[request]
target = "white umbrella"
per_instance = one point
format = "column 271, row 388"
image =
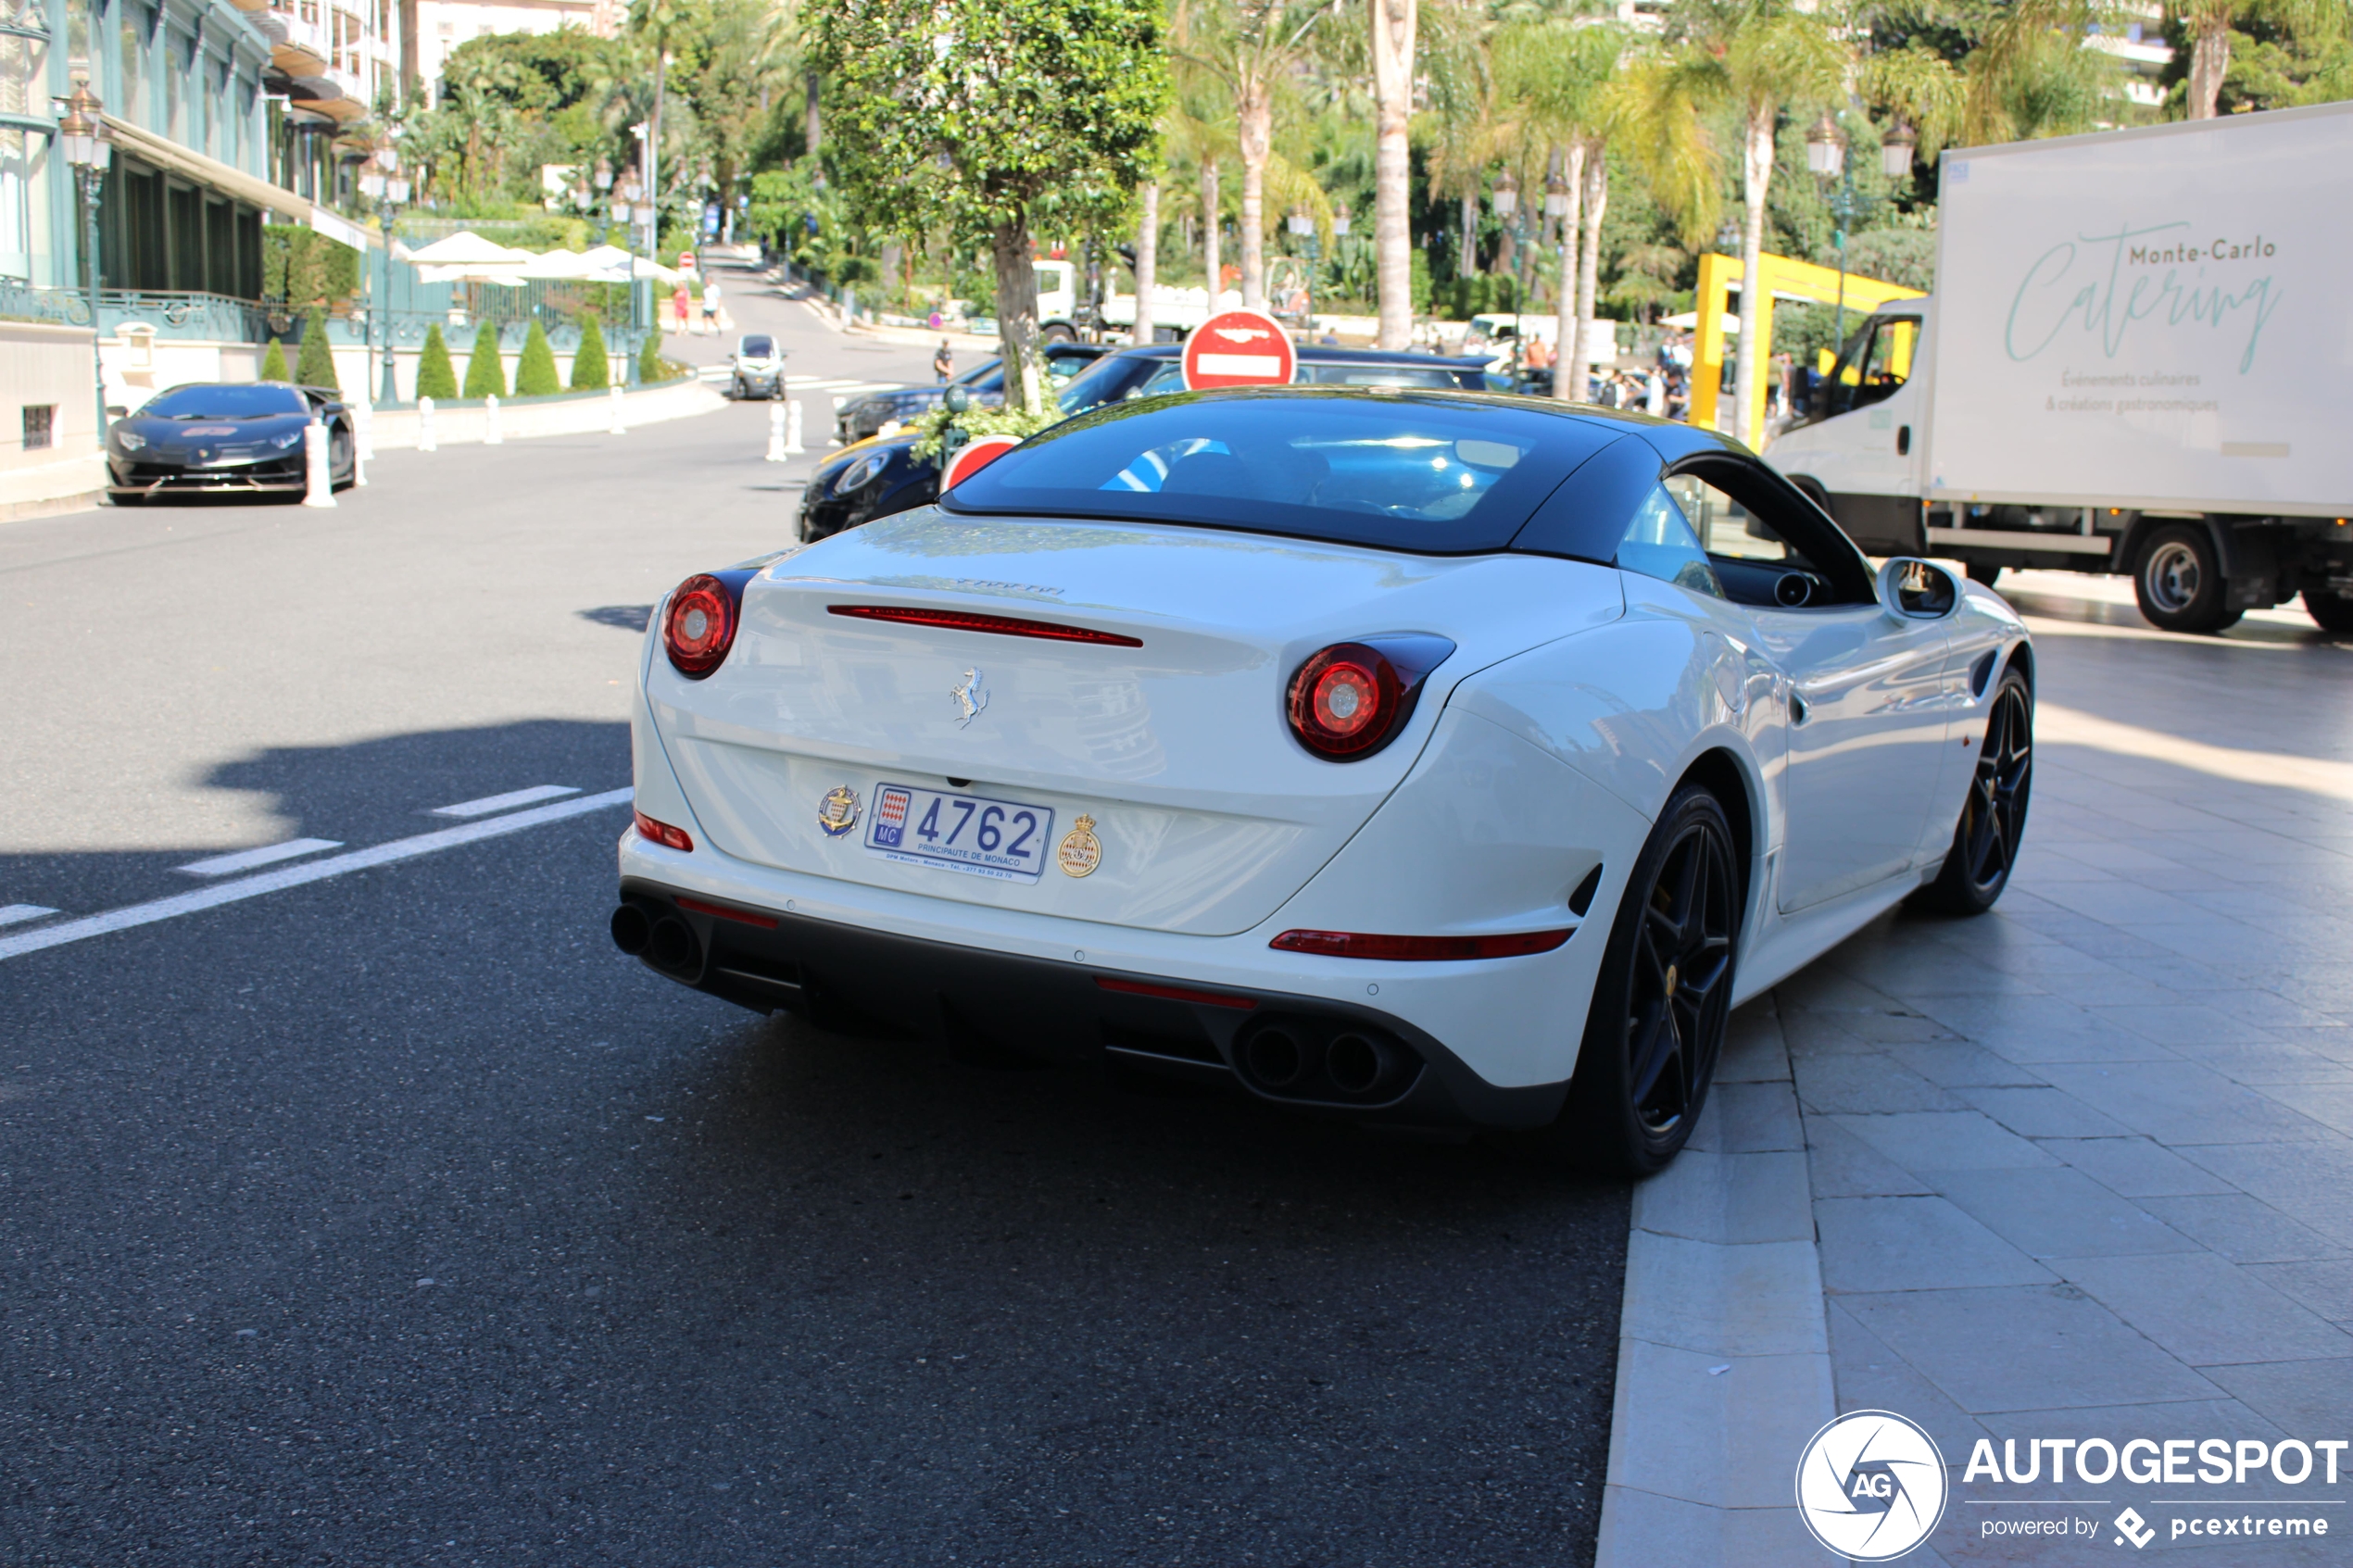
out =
column 1690, row 320
column 466, row 249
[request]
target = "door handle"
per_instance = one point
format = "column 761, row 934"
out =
column 1903, row 441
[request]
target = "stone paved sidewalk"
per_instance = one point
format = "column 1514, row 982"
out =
column 2084, row 1166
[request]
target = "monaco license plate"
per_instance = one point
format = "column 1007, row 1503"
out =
column 962, row 833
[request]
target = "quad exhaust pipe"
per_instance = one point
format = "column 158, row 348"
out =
column 663, row 940
column 1324, row 1061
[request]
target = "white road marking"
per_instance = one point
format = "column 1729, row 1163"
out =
column 513, row 797
column 15, row 914
column 297, row 876
column 267, row 855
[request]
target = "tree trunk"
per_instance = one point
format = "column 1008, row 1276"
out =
column 1568, row 376
column 2210, row 60
column 1466, row 259
column 1393, row 23
column 1756, row 173
column 1256, row 113
column 816, row 132
column 1596, row 197
column 1147, row 261
column 1213, row 229
column 1506, row 247
column 1016, row 308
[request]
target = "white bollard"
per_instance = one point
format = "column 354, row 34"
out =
column 775, row 433
column 318, row 488
column 363, row 420
column 793, row 448
column 425, row 442
column 619, row 426
column 490, row 437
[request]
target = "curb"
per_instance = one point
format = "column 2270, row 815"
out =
column 1723, row 1351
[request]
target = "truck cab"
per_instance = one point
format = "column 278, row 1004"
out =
column 1859, row 449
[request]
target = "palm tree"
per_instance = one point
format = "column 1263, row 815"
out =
column 2209, row 24
column 1251, row 45
column 1392, row 36
column 1191, row 137
column 1556, row 72
column 1763, row 56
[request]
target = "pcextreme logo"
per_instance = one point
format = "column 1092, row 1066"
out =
column 1871, row 1485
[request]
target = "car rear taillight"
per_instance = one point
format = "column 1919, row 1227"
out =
column 1352, row 698
column 701, row 624
column 663, row 834
column 1419, row 950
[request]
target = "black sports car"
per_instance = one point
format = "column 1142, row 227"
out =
column 863, row 417
column 225, row 438
column 876, row 478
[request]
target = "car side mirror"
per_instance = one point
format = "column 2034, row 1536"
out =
column 1918, row 590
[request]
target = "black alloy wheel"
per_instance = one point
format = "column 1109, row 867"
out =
column 342, row 469
column 1985, row 843
column 1656, row 1028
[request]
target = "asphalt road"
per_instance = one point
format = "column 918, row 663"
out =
column 391, row 1217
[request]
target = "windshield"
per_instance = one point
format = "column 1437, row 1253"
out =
column 244, row 402
column 758, row 348
column 1412, row 472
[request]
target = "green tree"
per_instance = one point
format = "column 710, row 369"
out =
column 1763, row 56
column 589, row 372
column 273, row 362
column 2210, row 25
column 535, row 372
column 1252, row 46
column 967, row 115
column 436, row 377
column 315, row 364
column 485, row 372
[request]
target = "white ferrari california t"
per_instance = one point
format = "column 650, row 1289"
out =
column 1408, row 756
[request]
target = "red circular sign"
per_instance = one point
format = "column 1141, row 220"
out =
column 976, row 456
column 1239, row 348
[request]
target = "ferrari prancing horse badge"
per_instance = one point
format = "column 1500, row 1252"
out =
column 839, row 812
column 1081, row 851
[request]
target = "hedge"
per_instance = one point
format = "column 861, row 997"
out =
column 315, row 365
column 485, row 372
column 589, row 370
column 436, row 377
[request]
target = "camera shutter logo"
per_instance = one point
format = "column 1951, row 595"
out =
column 1871, row 1485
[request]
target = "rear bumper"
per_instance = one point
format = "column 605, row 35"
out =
column 1077, row 1011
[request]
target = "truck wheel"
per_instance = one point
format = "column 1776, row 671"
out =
column 1056, row 332
column 2332, row 612
column 1978, row 571
column 2180, row 584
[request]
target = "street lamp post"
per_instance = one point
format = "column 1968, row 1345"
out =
column 382, row 183
column 1556, row 207
column 1302, row 224
column 1825, row 158
column 81, row 136
column 1504, row 199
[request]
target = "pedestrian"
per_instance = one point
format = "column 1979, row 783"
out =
column 679, row 306
column 943, row 363
column 710, row 307
column 1540, row 354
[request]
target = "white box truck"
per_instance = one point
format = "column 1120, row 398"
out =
column 2138, row 359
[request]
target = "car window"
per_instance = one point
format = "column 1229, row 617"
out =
column 758, row 347
column 1659, row 543
column 1429, row 376
column 1404, row 471
column 1723, row 525
column 236, row 402
column 1107, row 381
column 1876, row 360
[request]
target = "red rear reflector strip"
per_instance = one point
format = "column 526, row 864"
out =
column 663, row 833
column 1175, row 994
column 720, row 911
column 1000, row 626
column 1357, row 945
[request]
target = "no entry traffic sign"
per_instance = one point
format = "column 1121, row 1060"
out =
column 974, row 457
column 1239, row 348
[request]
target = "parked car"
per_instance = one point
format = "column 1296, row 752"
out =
column 757, row 367
column 876, row 478
column 225, row 438
column 1428, row 757
column 863, row 417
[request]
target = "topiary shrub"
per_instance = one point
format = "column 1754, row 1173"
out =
column 315, row 365
column 589, row 370
column 485, row 372
column 274, row 363
column 535, row 372
column 436, row 377
column 649, row 357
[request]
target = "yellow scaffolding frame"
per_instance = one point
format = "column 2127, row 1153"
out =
column 1783, row 274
